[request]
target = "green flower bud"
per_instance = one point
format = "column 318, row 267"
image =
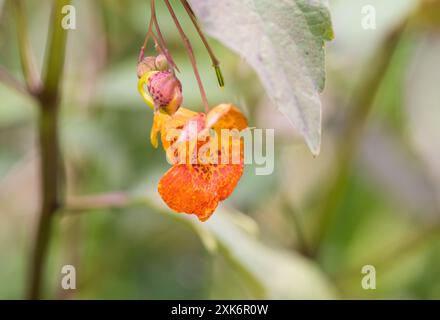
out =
column 146, row 65
column 161, row 63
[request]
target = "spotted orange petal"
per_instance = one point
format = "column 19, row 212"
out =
column 226, row 116
column 197, row 189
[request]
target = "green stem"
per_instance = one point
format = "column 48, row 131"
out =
column 27, row 58
column 351, row 134
column 214, row 60
column 56, row 50
column 49, row 100
column 388, row 257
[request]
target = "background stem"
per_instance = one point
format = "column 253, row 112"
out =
column 7, row 79
column 27, row 58
column 49, row 100
column 351, row 134
column 293, row 216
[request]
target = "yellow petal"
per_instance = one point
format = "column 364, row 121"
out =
column 141, row 88
column 164, row 123
column 159, row 120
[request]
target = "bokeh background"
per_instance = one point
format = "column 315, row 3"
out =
column 258, row 244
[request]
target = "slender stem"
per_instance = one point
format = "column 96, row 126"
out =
column 190, row 52
column 162, row 43
column 388, row 257
column 27, row 58
column 111, row 200
column 215, row 61
column 10, row 81
column 49, row 198
column 55, row 53
column 362, row 101
column 49, row 147
column 149, row 33
column 294, row 216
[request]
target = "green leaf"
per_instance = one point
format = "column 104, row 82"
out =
column 284, row 42
column 272, row 273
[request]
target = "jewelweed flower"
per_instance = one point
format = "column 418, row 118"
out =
column 196, row 185
column 198, row 180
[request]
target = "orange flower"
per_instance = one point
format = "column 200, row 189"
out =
column 196, row 187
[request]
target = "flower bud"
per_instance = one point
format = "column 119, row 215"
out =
column 161, row 63
column 146, row 65
column 166, row 91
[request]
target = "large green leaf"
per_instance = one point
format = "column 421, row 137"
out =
column 284, row 42
column 271, row 272
column 276, row 272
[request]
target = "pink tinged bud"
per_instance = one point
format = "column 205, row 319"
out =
column 166, row 91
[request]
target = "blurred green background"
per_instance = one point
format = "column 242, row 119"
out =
column 253, row 245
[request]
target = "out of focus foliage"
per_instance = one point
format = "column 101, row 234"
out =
column 145, row 252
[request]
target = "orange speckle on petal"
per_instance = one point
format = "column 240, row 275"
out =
column 197, row 189
column 226, row 116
